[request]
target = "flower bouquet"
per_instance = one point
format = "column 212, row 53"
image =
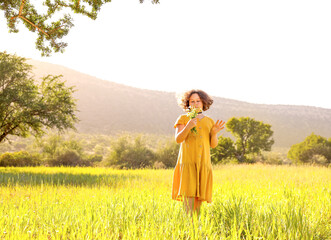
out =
column 192, row 112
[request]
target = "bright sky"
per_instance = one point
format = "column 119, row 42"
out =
column 260, row 51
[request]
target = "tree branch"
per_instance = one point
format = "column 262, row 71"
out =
column 39, row 29
column 5, row 133
column 31, row 23
column 21, row 7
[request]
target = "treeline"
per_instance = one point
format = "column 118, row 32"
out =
column 125, row 151
column 131, row 151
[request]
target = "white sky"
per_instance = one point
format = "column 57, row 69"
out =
column 273, row 52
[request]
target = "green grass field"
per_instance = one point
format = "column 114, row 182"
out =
column 249, row 202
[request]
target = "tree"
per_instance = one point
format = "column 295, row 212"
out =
column 50, row 31
column 130, row 154
column 314, row 149
column 251, row 136
column 167, row 153
column 223, row 151
column 50, row 147
column 29, row 107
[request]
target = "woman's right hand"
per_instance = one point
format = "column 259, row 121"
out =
column 183, row 130
column 192, row 123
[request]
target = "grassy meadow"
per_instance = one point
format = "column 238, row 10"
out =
column 249, row 202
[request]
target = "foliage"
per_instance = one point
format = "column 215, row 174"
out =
column 251, row 136
column 100, row 150
column 167, row 154
column 94, row 158
column 75, row 145
column 19, row 159
column 58, row 151
column 26, row 107
column 159, row 165
column 319, row 159
column 68, row 158
column 53, row 24
column 192, row 112
column 53, row 150
column 314, row 149
column 50, row 147
column 224, row 151
column 273, row 158
column 126, row 154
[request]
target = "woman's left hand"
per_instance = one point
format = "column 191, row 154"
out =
column 219, row 125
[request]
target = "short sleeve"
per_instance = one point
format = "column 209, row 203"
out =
column 180, row 121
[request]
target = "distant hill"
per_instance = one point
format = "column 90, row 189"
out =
column 107, row 107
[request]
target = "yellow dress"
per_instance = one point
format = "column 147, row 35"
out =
column 193, row 176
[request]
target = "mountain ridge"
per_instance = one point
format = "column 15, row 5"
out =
column 109, row 107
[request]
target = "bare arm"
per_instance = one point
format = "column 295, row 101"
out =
column 219, row 125
column 183, row 130
column 213, row 140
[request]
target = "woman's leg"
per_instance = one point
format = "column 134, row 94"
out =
column 189, row 204
column 197, row 205
column 192, row 204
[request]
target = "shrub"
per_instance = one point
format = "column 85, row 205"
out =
column 50, row 146
column 99, row 149
column 273, row 158
column 224, row 152
column 319, row 159
column 159, row 165
column 19, row 159
column 55, row 145
column 68, row 158
column 167, row 154
column 313, row 145
column 94, row 158
column 130, row 154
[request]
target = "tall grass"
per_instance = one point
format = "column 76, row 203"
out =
column 249, row 202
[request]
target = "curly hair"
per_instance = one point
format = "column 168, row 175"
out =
column 183, row 100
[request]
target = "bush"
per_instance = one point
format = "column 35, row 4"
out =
column 159, row 165
column 319, row 159
column 167, row 154
column 94, row 158
column 68, row 158
column 55, row 145
column 224, row 152
column 273, row 158
column 126, row 154
column 313, row 145
column 19, row 159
